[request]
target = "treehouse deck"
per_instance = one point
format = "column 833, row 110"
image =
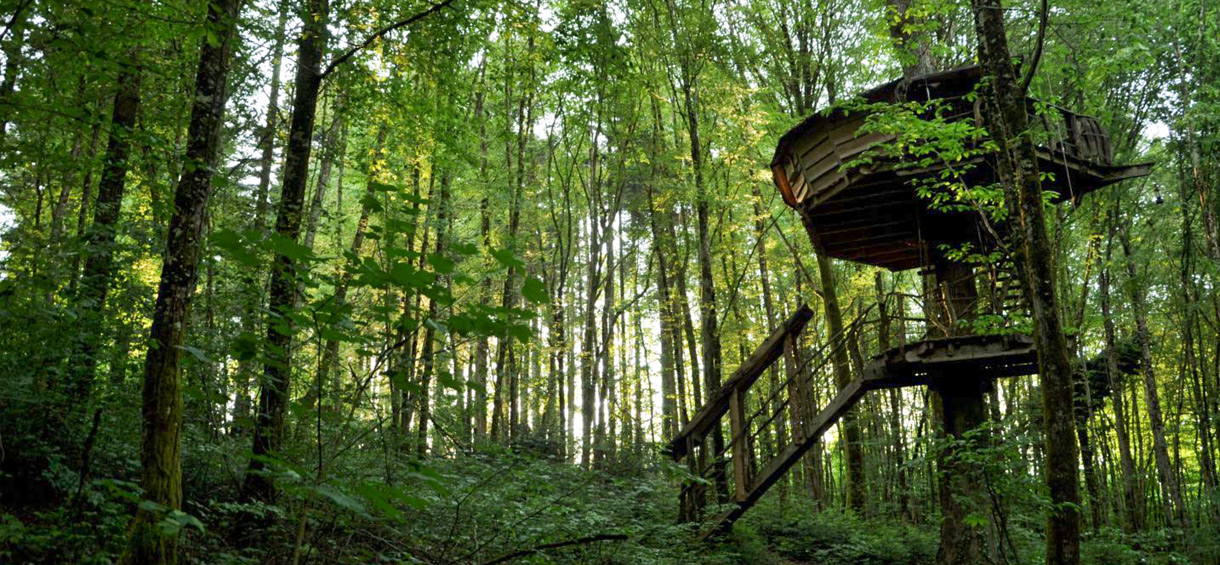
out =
column 923, row 362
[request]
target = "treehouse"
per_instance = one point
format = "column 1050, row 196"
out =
column 870, row 213
column 860, row 202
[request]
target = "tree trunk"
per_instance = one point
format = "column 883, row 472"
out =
column 250, row 318
column 588, row 353
column 100, row 238
column 1171, row 495
column 1133, row 503
column 604, row 436
column 1189, row 299
column 275, row 387
column 330, row 349
column 12, row 63
column 329, row 143
column 708, row 318
column 160, row 446
column 429, row 352
column 842, row 371
column 895, row 401
column 267, row 136
column 479, row 412
column 1017, row 165
column 764, row 276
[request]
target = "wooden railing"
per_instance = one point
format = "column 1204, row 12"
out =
column 737, row 473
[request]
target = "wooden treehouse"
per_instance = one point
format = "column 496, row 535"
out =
column 872, row 214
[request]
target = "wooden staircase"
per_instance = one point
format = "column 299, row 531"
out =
column 754, row 473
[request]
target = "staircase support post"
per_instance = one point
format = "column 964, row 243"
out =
column 737, row 420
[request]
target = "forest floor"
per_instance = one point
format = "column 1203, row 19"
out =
column 494, row 507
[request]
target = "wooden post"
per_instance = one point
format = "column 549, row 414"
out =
column 796, row 389
column 737, row 421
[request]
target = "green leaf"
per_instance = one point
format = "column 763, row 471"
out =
column 465, row 249
column 442, row 264
column 446, row 379
column 505, row 257
column 289, row 248
column 234, row 247
column 245, row 347
column 341, row 499
column 534, row 290
column 370, row 201
column 521, row 332
column 183, row 520
column 197, row 354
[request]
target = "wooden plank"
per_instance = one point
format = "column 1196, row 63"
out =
column 788, row 456
column 828, row 187
column 807, row 142
column 881, row 255
column 827, row 215
column 816, row 152
column 916, row 363
column 817, row 169
column 737, row 420
column 1007, row 354
column 800, row 187
column 870, row 195
column 845, row 131
column 874, row 239
column 743, row 377
column 860, row 144
column 852, row 229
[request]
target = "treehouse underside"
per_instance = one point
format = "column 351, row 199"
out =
column 875, row 216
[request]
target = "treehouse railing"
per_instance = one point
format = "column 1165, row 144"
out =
column 788, row 404
column 770, row 430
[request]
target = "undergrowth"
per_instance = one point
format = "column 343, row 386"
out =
column 495, row 505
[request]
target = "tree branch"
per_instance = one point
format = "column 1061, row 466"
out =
column 381, row 33
column 1033, row 63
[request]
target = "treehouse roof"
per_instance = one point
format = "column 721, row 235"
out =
column 870, row 213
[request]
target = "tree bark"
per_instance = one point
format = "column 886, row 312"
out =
column 1133, row 503
column 1171, row 495
column 588, row 352
column 160, row 445
column 100, row 238
column 247, row 368
column 329, row 145
column 708, row 318
column 429, row 352
column 267, row 136
column 275, row 387
column 1017, row 165
column 842, row 371
column 330, row 349
column 479, row 413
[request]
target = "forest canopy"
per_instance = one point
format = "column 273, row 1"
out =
column 482, row 281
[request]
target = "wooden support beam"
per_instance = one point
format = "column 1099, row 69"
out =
column 737, row 423
column 745, row 375
column 788, row 456
column 914, row 364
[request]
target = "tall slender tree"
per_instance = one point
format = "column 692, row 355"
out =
column 160, row 447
